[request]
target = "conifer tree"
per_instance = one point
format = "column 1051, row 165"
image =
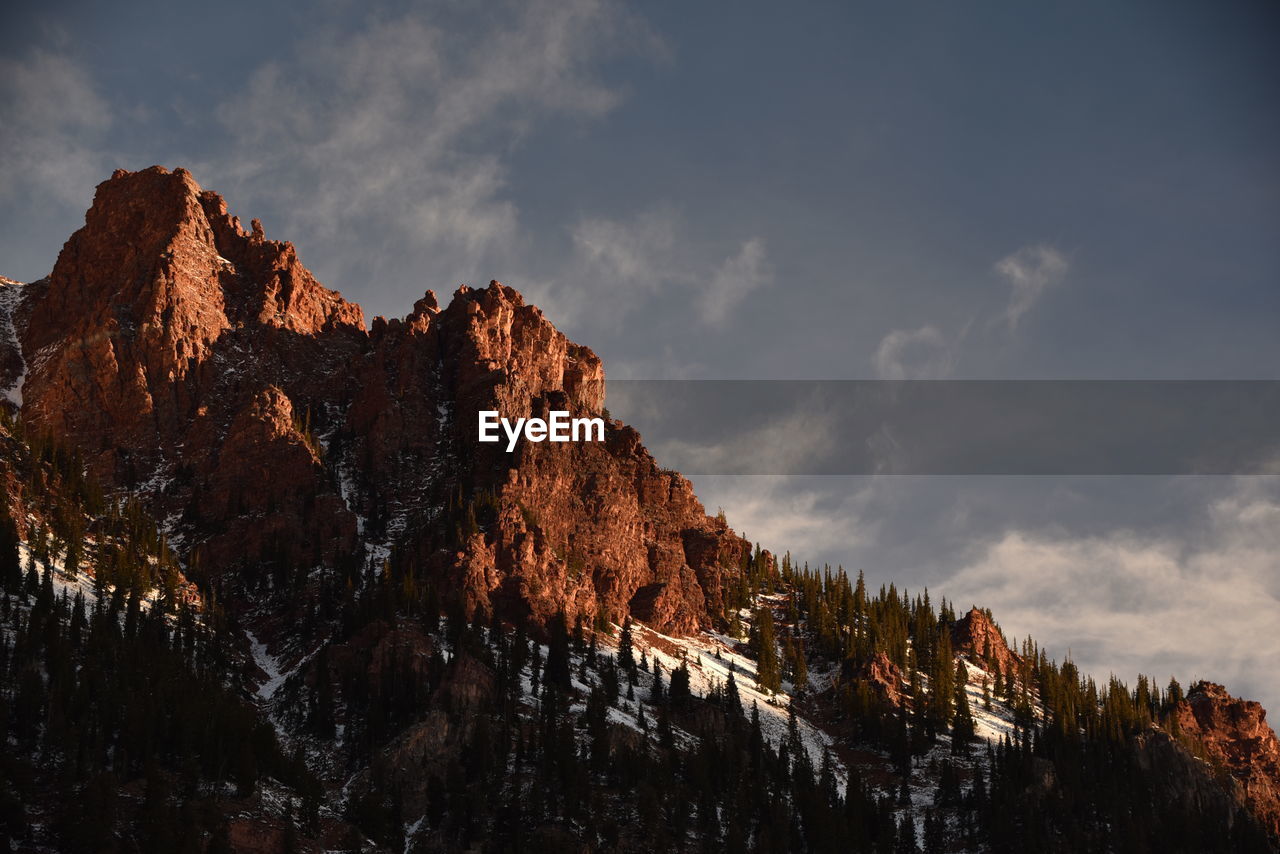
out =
column 680, row 693
column 556, row 673
column 732, row 698
column 626, row 657
column 797, row 666
column 764, row 644
column 656, row 694
column 962, row 726
column 10, row 562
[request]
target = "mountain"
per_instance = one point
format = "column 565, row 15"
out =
column 203, row 368
column 264, row 590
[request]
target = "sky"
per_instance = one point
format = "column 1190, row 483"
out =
column 768, row 191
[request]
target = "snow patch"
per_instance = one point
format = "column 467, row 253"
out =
column 268, row 664
column 10, row 296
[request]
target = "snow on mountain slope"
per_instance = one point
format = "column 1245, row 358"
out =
column 13, row 368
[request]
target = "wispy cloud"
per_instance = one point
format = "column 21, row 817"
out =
column 790, row 440
column 635, row 254
column 1030, row 272
column 780, row 513
column 52, row 134
column 615, row 265
column 931, row 352
column 915, row 354
column 738, row 276
column 405, row 127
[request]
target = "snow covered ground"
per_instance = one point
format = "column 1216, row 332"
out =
column 10, row 295
column 711, row 657
column 63, row 582
column 267, row 664
column 989, row 725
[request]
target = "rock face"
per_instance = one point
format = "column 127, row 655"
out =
column 1235, row 733
column 202, row 366
column 120, row 335
column 446, row 728
column 1182, row 779
column 976, row 637
column 884, row 677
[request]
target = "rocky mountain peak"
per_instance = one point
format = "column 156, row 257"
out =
column 200, row 365
column 138, row 301
column 976, row 636
column 1235, row 733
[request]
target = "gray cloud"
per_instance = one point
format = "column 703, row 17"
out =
column 407, row 128
column 630, row 260
column 633, row 254
column 788, row 439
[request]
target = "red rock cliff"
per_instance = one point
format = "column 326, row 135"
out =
column 975, row 636
column 205, row 367
column 1235, row 733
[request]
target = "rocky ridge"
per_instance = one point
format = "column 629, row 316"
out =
column 977, row 637
column 1234, row 733
column 204, row 367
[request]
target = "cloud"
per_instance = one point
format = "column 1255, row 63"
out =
column 403, row 127
column 915, row 354
column 738, row 276
column 1202, row 603
column 636, row 255
column 55, row 121
column 611, row 268
column 616, row 264
column 1029, row 271
column 929, row 353
column 787, row 441
column 783, row 512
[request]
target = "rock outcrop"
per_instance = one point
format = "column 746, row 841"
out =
column 1235, row 734
column 119, row 337
column 976, row 637
column 884, row 677
column 203, row 367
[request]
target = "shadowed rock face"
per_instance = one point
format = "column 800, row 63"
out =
column 1235, row 733
column 203, row 366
